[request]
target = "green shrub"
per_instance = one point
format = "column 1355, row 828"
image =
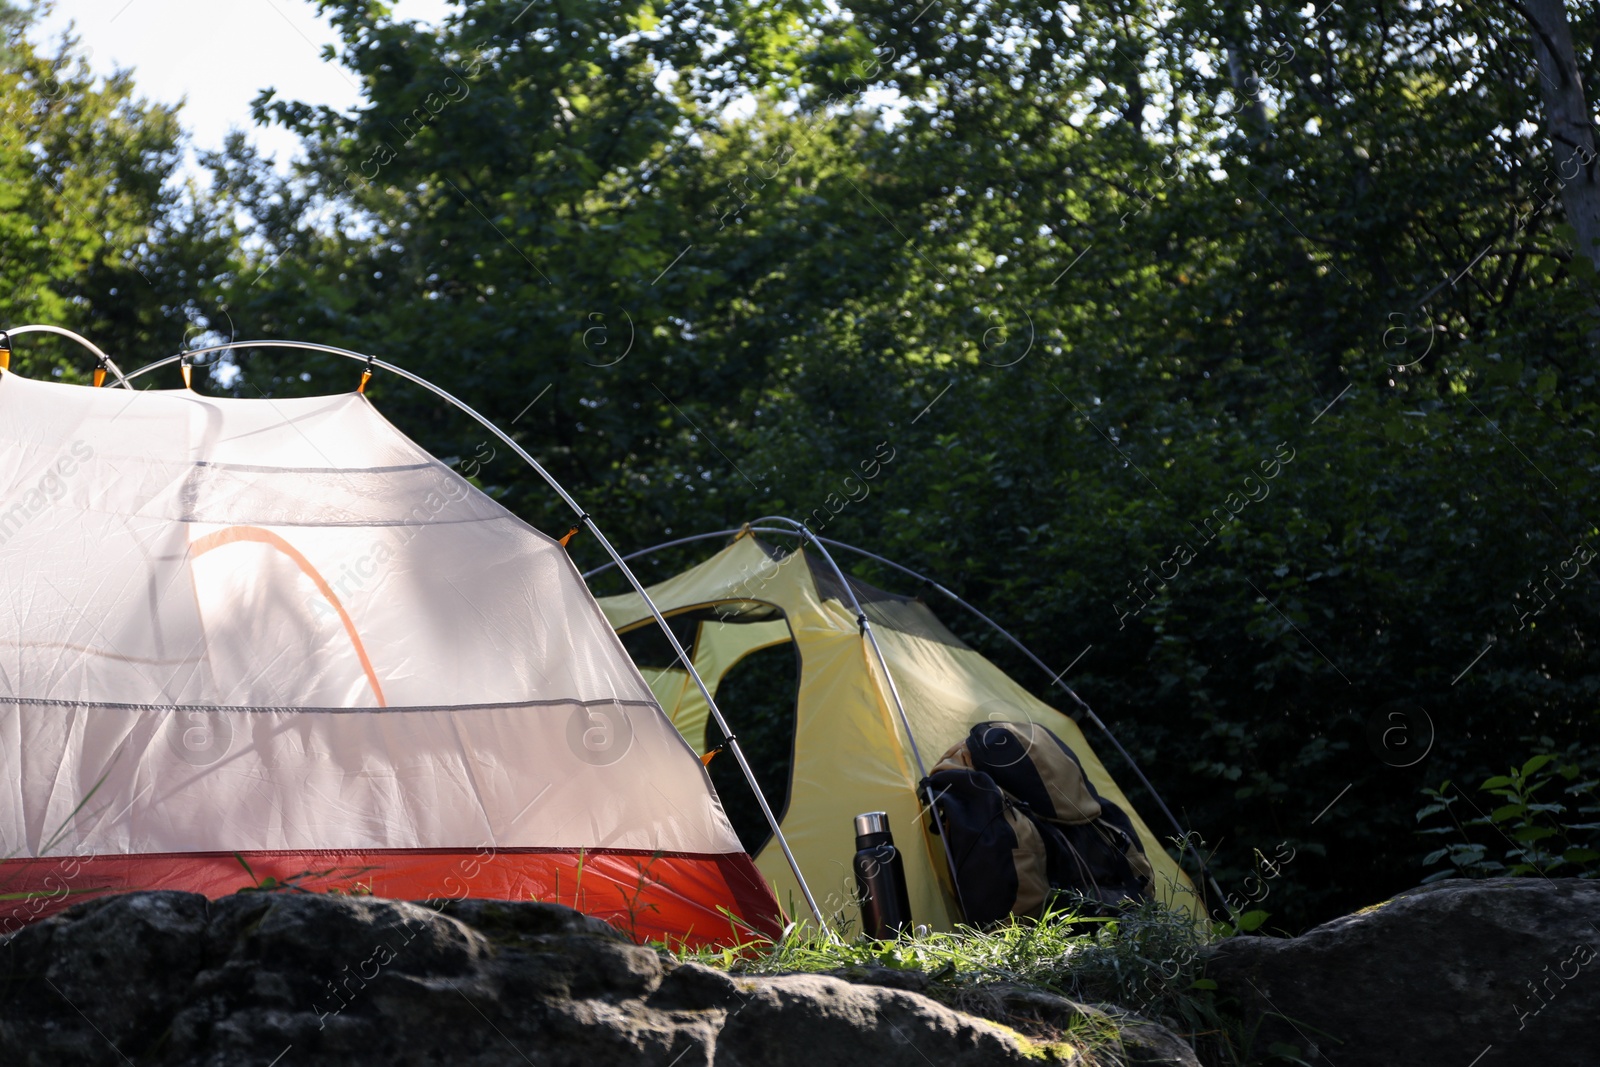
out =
column 1546, row 822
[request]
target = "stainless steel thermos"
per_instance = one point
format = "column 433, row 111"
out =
column 880, row 879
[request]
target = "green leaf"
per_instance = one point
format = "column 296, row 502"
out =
column 645, row 18
column 1467, row 855
column 1535, row 763
column 1501, row 814
column 1528, row 834
column 1284, row 1051
column 1498, row 782
column 1252, row 920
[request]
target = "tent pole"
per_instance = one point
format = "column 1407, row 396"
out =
column 583, row 517
column 106, row 361
column 592, row 571
column 805, row 535
column 1055, row 678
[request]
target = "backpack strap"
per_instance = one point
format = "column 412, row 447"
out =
column 1022, row 822
column 1035, row 766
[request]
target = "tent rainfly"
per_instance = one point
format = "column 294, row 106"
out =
column 853, row 751
column 257, row 639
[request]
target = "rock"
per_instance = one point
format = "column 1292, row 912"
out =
column 284, row 979
column 888, row 977
column 126, row 965
column 1143, row 1043
column 1487, row 973
column 802, row 1020
column 1126, row 1038
column 1045, row 1017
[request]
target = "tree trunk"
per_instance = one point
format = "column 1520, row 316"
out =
column 1247, row 87
column 1567, row 121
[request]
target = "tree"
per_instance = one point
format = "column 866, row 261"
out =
column 1570, row 122
column 1100, row 269
column 95, row 233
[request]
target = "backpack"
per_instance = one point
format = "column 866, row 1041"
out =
column 1022, row 824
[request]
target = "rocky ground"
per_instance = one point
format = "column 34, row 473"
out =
column 290, row 978
column 1496, row 973
column 1461, row 974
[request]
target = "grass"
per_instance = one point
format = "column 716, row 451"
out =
column 37, row 897
column 1085, row 958
column 1145, row 961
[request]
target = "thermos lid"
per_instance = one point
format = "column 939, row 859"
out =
column 872, row 822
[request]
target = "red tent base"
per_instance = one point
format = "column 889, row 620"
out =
column 678, row 898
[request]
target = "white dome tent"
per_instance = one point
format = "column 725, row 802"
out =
column 261, row 639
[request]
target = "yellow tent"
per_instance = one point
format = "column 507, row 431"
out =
column 853, row 750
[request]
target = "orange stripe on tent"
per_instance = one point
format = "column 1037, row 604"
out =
column 236, row 534
column 687, row 899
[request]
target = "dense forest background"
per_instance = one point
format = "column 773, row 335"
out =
column 1243, row 357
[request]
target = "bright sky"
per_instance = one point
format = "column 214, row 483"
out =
column 217, row 55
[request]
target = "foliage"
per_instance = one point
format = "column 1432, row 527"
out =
column 1548, row 819
column 1146, row 960
column 95, row 232
column 301, row 881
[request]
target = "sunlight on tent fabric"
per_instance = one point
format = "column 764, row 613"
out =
column 261, row 637
column 851, row 754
